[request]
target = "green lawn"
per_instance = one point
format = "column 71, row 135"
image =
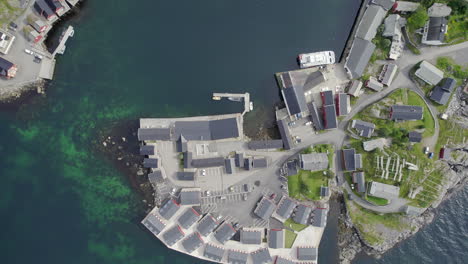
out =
column 377, row 200
column 450, row 133
column 306, row 184
column 289, row 238
column 294, row 226
column 457, row 28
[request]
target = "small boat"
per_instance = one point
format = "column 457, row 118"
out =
column 235, row 99
column 251, row 106
column 316, row 59
column 217, row 98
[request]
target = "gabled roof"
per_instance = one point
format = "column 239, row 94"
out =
column 156, row 177
column 250, row 237
column 440, row 96
column 237, row 257
column 392, row 25
column 365, row 128
column 248, row 163
column 383, row 190
column 358, row 159
column 169, row 208
column 388, row 73
column 343, row 104
column 265, row 144
column 147, row 150
column 360, row 181
column 373, row 17
column 307, row 253
column 385, row 4
column 153, row 223
column 54, row 4
column 260, row 162
column 173, row 235
column 229, row 165
column 349, row 159
column 224, row 233
column 207, row 225
column 192, row 242
column 320, row 217
column 405, row 6
column 188, row 218
column 43, row 8
column 436, row 29
column 264, row 208
column 154, row 134
column 329, row 118
column 406, row 112
column 327, row 97
column 374, row 84
column 294, row 98
column 359, row 56
column 261, row 256
column 276, row 238
column 208, row 162
column 190, row 196
column 429, row 73
column 181, row 144
column 414, row 136
column 285, row 134
column 186, row 175
column 355, row 88
column 213, row 252
column 313, row 79
column 324, row 191
column 314, row 161
column 292, row 167
column 315, row 116
column 281, row 260
column 187, row 159
column 448, row 84
column 150, row 163
column 302, row 214
column 207, row 130
column 285, row 207
column 239, row 159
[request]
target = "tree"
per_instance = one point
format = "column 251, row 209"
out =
column 418, row 18
column 384, row 131
column 386, row 43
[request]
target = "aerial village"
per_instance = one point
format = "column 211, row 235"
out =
column 24, row 57
column 369, row 126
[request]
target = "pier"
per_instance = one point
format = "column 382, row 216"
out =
column 248, row 106
column 61, row 47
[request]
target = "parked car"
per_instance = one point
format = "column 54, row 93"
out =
column 203, row 172
column 273, row 196
column 244, row 197
column 13, row 26
column 291, row 123
column 426, row 150
column 308, row 123
column 28, row 51
column 431, row 155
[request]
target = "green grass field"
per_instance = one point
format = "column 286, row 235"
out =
column 289, row 238
column 377, row 200
column 306, row 185
column 294, row 226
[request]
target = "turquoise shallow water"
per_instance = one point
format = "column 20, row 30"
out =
column 63, row 202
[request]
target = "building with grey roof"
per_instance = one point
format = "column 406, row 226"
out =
column 313, row 161
column 445, row 153
column 315, row 116
column 371, row 20
column 388, row 73
column 375, row 143
column 190, row 196
column 229, row 165
column 324, row 191
column 392, row 25
column 414, row 137
column 265, row 144
column 239, row 159
column 281, row 260
column 188, row 218
column 153, row 223
column 186, row 175
column 264, row 208
column 358, row 159
column 355, row 88
column 156, row 177
column 360, row 181
column 248, row 163
column 207, row 225
column 285, row 134
column 207, row 130
column 187, row 159
column 365, row 129
column 439, row 10
column 327, row 97
column 374, row 84
column 405, row 6
column 349, row 159
column 385, row 4
column 429, row 73
column 147, row 150
column 169, row 208
column 383, row 190
column 150, row 163
column 313, row 80
column 406, row 112
column 237, row 257
column 153, row 134
column 285, row 207
column 261, row 256
column 294, row 98
column 434, row 31
column 307, row 253
column 213, row 252
column 329, row 117
column 302, row 214
column 181, row 144
column 248, row 236
column 208, row 162
column 358, row 57
column 343, row 105
column 442, row 92
column 276, row 238
column 224, row 233
column 260, row 162
column 292, row 167
column 173, row 235
column 192, row 242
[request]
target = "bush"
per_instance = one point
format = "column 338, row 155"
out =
column 418, row 18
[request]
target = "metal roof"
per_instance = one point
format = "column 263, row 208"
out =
column 385, row 4
column 208, row 162
column 448, row 84
column 349, row 159
column 307, row 253
column 324, row 191
column 405, row 6
column 42, row 7
column 294, row 98
column 414, row 136
column 260, row 163
column 343, row 104
column 186, row 175
column 359, row 56
column 370, row 21
column 320, row 217
column 207, row 130
column 248, row 163
column 313, row 79
column 355, row 88
column 358, row 159
column 276, row 238
column 156, row 177
column 302, row 214
column 314, row 161
column 237, row 257
column 147, row 150
column 192, row 242
column 440, row 96
column 389, row 73
column 173, row 235
column 327, row 97
column 429, row 73
column 187, row 159
column 250, row 237
column 213, row 252
column 153, row 223
column 224, row 128
column 190, row 196
column 181, row 144
column 285, row 134
column 261, row 256
column 264, row 208
column 285, row 207
column 150, row 163
column 169, row 208
column 365, row 128
column 315, row 116
column 54, row 4
column 406, row 112
column 292, row 167
column 224, row 233
column 207, row 225
column 359, row 179
column 436, row 29
column 188, row 218
column 265, row 144
column 154, row 134
column 329, row 118
column 239, row 159
column 383, row 190
column 286, row 80
column 281, row 260
column 392, row 25
column 374, row 84
column 229, row 165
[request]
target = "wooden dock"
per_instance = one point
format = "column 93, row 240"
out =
column 61, row 47
column 236, row 97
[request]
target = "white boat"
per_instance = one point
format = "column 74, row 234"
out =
column 307, row 60
column 251, row 106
